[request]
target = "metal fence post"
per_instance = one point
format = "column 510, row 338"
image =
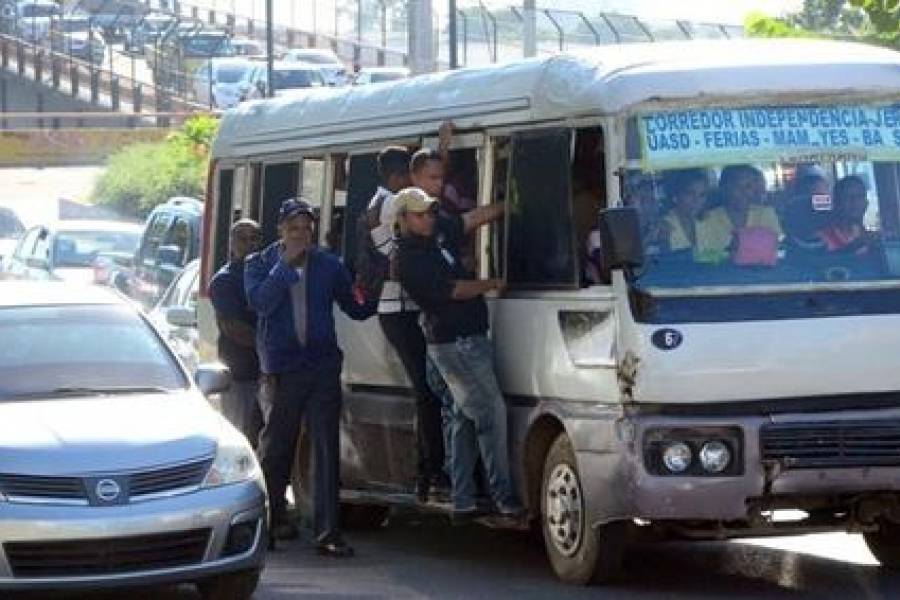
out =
column 4, row 102
column 20, row 58
column 73, row 78
column 54, row 71
column 40, row 109
column 38, row 66
column 4, row 54
column 114, row 92
column 137, row 98
column 95, row 87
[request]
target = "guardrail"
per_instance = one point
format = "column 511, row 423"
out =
column 84, row 80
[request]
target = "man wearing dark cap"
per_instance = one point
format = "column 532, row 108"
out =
column 292, row 285
column 237, row 332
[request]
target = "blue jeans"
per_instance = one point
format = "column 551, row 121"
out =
column 478, row 420
column 439, row 388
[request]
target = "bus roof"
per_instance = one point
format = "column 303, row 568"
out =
column 602, row 80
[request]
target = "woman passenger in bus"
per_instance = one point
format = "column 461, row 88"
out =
column 687, row 190
column 721, row 233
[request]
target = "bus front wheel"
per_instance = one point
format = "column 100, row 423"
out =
column 578, row 553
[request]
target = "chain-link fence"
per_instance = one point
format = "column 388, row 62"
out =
column 360, row 28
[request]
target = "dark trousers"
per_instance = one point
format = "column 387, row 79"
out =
column 405, row 335
column 315, row 394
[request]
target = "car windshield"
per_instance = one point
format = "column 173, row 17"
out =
column 316, row 59
column 230, row 73
column 33, row 11
column 81, row 248
column 826, row 212
column 48, row 350
column 73, row 25
column 10, row 225
column 296, row 78
column 207, row 45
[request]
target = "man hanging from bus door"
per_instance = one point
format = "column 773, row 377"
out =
column 398, row 316
column 456, row 321
column 293, row 286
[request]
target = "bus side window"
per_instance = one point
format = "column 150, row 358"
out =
column 540, row 243
column 362, row 182
column 334, row 239
column 224, row 211
column 497, row 243
column 279, row 183
column 588, row 198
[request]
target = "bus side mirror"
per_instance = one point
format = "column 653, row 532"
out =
column 620, row 236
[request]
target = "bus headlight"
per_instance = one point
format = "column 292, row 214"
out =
column 715, row 456
column 677, row 457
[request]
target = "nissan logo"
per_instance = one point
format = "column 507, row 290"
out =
column 108, row 490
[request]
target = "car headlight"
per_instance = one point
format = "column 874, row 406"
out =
column 234, row 463
column 715, row 456
column 677, row 457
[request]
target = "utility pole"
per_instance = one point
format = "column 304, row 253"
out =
column 454, row 54
column 270, row 51
column 529, row 12
column 421, row 37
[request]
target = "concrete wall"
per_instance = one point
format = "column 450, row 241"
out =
column 24, row 96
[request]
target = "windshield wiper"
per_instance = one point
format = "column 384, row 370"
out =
column 64, row 392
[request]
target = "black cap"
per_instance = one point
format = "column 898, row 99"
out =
column 295, row 206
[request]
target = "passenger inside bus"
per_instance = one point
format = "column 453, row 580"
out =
column 742, row 214
column 687, row 190
column 847, row 232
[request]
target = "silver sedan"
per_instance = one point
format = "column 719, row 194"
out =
column 114, row 469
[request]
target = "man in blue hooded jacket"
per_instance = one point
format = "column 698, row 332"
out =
column 292, row 285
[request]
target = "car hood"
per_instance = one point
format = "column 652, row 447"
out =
column 75, row 436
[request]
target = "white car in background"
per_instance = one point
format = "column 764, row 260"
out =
column 287, row 78
column 248, row 48
column 175, row 316
column 369, row 75
column 333, row 70
column 34, row 18
column 217, row 81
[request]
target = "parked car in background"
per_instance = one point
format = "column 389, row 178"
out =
column 369, row 75
column 33, row 19
column 171, row 239
column 217, row 81
column 114, row 17
column 286, row 77
column 147, row 32
column 78, row 37
column 176, row 56
column 116, row 471
column 248, row 48
column 175, row 315
column 11, row 229
column 67, row 249
column 333, row 70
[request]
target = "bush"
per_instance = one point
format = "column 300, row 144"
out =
column 141, row 176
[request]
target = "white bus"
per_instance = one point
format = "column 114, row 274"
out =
column 666, row 389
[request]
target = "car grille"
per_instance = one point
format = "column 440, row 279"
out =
column 106, row 556
column 140, row 484
column 832, row 444
column 168, row 479
column 64, row 488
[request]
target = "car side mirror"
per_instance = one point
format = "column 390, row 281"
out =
column 212, row 378
column 169, row 255
column 620, row 236
column 181, row 316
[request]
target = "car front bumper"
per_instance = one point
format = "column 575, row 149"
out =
column 214, row 511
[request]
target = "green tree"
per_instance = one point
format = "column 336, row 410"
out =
column 884, row 15
column 140, row 176
column 873, row 21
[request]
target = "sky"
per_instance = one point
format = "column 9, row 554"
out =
column 716, row 11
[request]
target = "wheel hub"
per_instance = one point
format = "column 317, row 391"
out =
column 564, row 509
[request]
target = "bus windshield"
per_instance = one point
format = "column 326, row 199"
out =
column 819, row 205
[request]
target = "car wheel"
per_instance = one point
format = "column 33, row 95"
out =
column 885, row 544
column 577, row 552
column 230, row 586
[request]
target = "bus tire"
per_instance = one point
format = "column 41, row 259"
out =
column 885, row 544
column 578, row 553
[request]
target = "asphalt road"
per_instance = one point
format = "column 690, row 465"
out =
column 429, row 559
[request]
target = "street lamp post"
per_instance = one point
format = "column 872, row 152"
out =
column 454, row 55
column 270, row 50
